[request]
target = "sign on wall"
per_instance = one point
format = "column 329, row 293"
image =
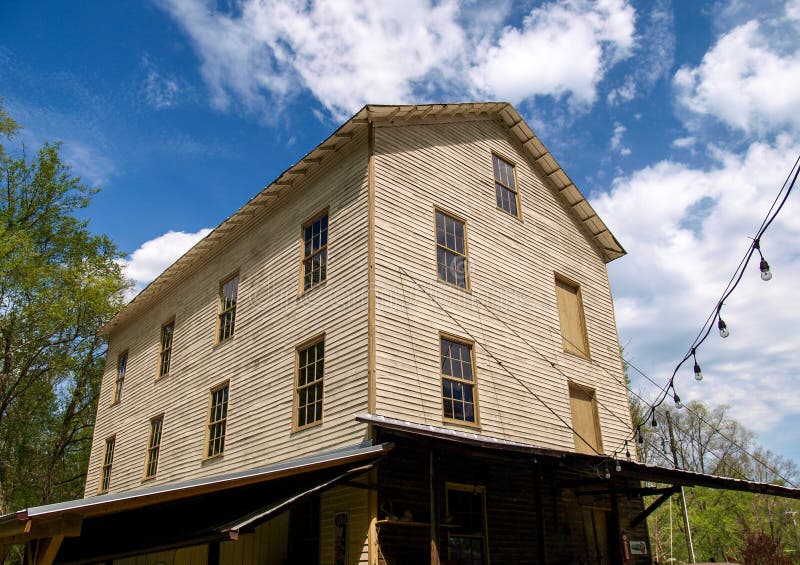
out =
column 340, row 538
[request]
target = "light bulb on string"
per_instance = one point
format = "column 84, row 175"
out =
column 763, row 266
column 654, row 423
column 617, row 467
column 641, row 437
column 627, row 452
column 723, row 328
column 766, row 274
column 698, row 374
column 677, row 400
column 606, row 473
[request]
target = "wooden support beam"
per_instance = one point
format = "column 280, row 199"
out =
column 68, row 525
column 47, row 550
column 642, row 516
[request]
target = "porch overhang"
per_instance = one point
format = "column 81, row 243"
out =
column 171, row 516
column 589, row 466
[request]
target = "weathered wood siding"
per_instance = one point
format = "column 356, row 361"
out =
column 354, row 502
column 513, row 265
column 259, row 361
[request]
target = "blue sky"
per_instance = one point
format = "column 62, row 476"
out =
column 679, row 120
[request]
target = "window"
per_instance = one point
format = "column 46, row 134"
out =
column 217, row 418
column 570, row 314
column 122, row 363
column 153, row 447
column 451, row 250
column 167, row 331
column 228, row 291
column 315, row 251
column 108, row 459
column 585, row 423
column 458, row 381
column 466, row 511
column 308, row 391
column 505, row 185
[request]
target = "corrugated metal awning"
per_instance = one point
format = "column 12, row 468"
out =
column 182, row 514
column 581, row 462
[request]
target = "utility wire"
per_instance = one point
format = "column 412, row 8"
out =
column 734, row 281
column 717, row 430
column 498, row 361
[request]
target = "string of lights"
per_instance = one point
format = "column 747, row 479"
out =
column 722, row 434
column 716, row 313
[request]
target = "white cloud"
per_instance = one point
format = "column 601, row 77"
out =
column 684, row 142
column 685, row 230
column 346, row 55
column 561, row 49
column 745, row 82
column 155, row 255
column 652, row 55
column 88, row 162
column 616, row 140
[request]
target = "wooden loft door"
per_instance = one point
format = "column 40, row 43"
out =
column 584, row 421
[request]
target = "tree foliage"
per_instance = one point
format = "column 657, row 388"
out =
column 726, row 525
column 59, row 284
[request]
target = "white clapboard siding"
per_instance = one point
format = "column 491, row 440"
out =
column 259, row 360
column 513, row 264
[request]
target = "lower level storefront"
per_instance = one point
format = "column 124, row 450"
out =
column 413, row 494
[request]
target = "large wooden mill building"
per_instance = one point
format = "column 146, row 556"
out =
column 401, row 351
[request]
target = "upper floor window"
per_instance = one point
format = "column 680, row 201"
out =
column 228, row 291
column 167, row 331
column 308, row 390
column 217, row 419
column 153, row 446
column 122, row 364
column 108, row 460
column 570, row 315
column 315, row 251
column 451, row 250
column 459, row 399
column 505, row 185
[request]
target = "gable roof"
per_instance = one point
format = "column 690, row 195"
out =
column 595, row 229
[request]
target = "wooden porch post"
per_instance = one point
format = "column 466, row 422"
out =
column 434, row 517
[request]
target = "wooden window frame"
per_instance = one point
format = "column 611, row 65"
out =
column 153, row 452
column 161, row 373
column 595, row 413
column 307, row 344
column 222, row 311
column 464, row 256
column 473, row 383
column 586, row 353
column 464, row 487
column 211, row 423
column 514, row 190
column 107, row 464
column 323, row 249
column 119, row 379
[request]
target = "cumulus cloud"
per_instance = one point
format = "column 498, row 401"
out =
column 745, row 82
column 560, row 49
column 155, row 255
column 345, row 55
column 616, row 140
column 684, row 142
column 685, row 229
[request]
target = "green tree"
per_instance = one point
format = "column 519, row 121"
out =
column 726, row 525
column 59, row 284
